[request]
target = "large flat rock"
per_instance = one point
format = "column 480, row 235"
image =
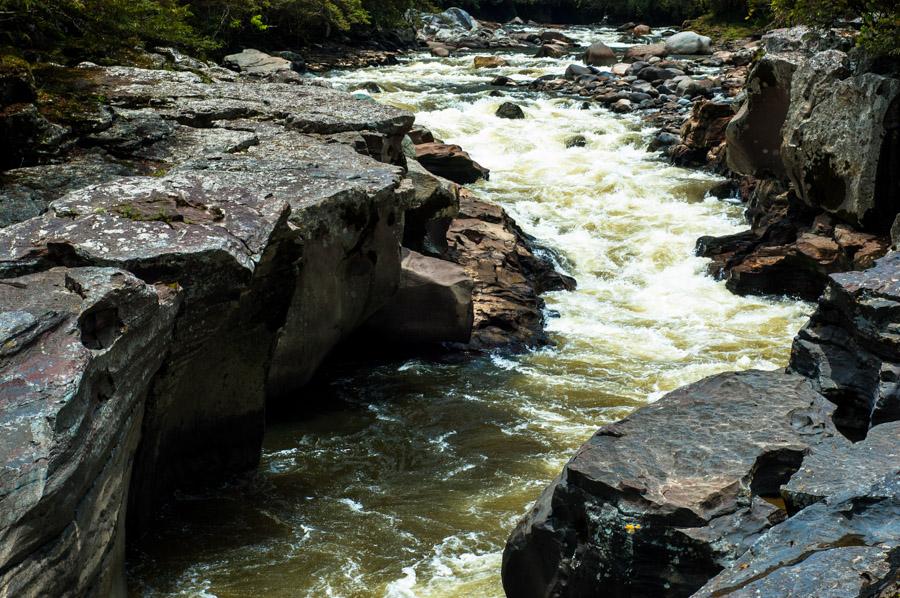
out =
column 644, row 504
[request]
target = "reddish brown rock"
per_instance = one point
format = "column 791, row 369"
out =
column 450, row 162
column 703, row 135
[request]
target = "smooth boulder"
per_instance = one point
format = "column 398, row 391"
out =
column 450, row 162
column 687, row 43
column 510, row 111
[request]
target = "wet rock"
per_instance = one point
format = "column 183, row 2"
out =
column 450, row 162
column 432, row 305
column 509, row 273
column 844, row 546
column 556, row 37
column 574, row 71
column 754, row 136
column 576, row 141
column 839, row 466
column 599, row 54
column 849, row 349
column 641, row 30
column 622, row 106
column 510, row 110
column 80, row 347
column 688, row 42
column 841, row 138
column 488, row 62
column 440, row 51
column 502, row 81
column 643, row 504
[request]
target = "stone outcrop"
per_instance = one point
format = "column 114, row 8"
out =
column 842, row 141
column 849, row 347
column 80, row 348
column 703, row 135
column 508, row 277
column 256, row 247
column 259, row 64
column 844, row 546
column 432, row 305
column 672, row 494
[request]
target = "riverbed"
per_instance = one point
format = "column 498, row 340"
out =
column 404, row 478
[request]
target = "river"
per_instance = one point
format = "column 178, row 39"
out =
column 404, row 479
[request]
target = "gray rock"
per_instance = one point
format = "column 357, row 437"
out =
column 426, row 221
column 450, row 162
column 838, row 466
column 836, row 137
column 688, row 42
column 850, row 348
column 630, row 511
column 432, row 305
column 844, row 546
column 256, row 63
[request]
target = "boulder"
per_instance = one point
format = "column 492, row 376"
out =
column 844, row 546
column 16, row 81
column 703, row 134
column 849, row 349
column 433, row 303
column 258, row 64
column 510, row 111
column 556, row 37
column 839, row 466
column 645, row 52
column 754, row 135
column 440, row 52
column 646, row 502
column 841, row 141
column 488, row 62
column 576, row 141
column 687, row 43
column 450, row 162
column 599, row 54
column 457, row 17
column 574, row 71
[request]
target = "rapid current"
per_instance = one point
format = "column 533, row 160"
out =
column 404, row 479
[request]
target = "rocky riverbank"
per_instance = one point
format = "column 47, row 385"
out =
column 780, row 483
column 182, row 245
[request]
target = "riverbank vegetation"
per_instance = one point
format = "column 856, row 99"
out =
column 77, row 29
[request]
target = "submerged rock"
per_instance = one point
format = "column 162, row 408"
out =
column 645, row 504
column 510, row 111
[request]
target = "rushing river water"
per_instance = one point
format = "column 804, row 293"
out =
column 405, row 479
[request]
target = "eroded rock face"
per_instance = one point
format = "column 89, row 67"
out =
column 645, row 503
column 849, row 348
column 703, row 135
column 844, row 546
column 80, row 347
column 508, row 277
column 276, row 238
column 842, row 141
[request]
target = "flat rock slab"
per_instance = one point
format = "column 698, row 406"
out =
column 631, row 510
column 848, row 545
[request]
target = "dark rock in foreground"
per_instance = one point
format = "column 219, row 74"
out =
column 846, row 546
column 669, row 496
column 450, row 162
column 850, row 348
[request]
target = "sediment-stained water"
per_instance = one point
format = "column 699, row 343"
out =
column 404, row 479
